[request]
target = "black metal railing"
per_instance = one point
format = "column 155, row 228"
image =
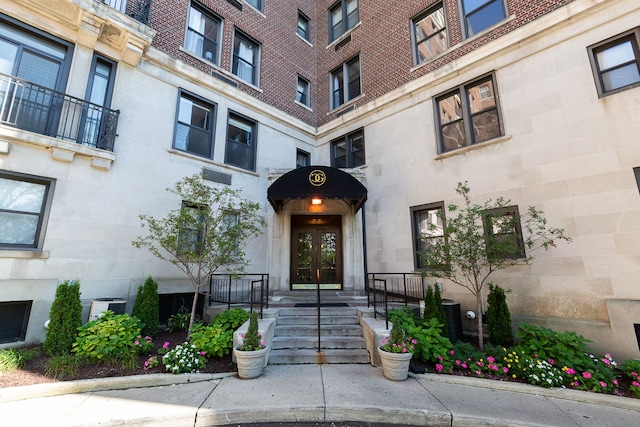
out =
column 34, row 108
column 250, row 289
column 393, row 289
column 142, row 11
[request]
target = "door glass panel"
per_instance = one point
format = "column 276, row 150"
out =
column 328, row 265
column 304, row 258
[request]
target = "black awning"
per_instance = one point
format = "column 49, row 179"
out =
column 317, row 182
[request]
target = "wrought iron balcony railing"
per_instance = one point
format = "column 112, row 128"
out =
column 34, row 108
column 140, row 10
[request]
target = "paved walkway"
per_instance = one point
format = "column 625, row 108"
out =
column 303, row 394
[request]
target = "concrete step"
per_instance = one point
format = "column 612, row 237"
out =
column 312, row 330
column 313, row 320
column 313, row 311
column 307, row 356
column 338, row 342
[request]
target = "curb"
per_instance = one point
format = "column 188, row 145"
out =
column 10, row 394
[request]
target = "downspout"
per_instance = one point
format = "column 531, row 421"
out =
column 364, row 250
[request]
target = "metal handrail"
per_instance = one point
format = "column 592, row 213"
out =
column 393, row 287
column 232, row 289
column 34, row 108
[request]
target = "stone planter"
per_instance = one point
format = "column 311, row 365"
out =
column 250, row 363
column 395, row 366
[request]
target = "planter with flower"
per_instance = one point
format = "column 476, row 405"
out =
column 251, row 355
column 396, row 352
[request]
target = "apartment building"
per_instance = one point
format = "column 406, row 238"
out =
column 105, row 104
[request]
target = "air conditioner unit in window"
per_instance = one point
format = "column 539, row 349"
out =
column 100, row 305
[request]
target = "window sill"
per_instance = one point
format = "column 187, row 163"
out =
column 464, row 150
column 211, row 162
column 302, row 105
column 346, row 104
column 344, row 35
column 304, row 40
column 24, row 254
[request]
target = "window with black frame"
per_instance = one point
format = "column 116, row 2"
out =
column 503, row 233
column 348, row 151
column 479, row 15
column 195, row 125
column 428, row 228
column 616, row 63
column 304, row 26
column 343, row 16
column 204, row 32
column 429, row 34
column 190, row 239
column 302, row 92
column 246, row 58
column 468, row 115
column 345, row 82
column 241, row 142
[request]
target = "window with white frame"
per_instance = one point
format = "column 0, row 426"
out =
column 428, row 228
column 302, row 93
column 616, row 63
column 204, row 32
column 345, row 82
column 303, row 29
column 348, row 151
column 429, row 34
column 25, row 201
column 478, row 15
column 342, row 17
column 246, row 58
column 195, row 125
column 468, row 115
column 241, row 142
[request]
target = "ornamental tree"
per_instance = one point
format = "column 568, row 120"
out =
column 208, row 232
column 480, row 239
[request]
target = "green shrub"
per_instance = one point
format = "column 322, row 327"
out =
column 109, row 339
column 63, row 366
column 251, row 340
column 431, row 345
column 433, row 307
column 498, row 317
column 632, row 369
column 184, row 358
column 179, row 321
column 230, row 320
column 212, row 339
column 65, row 318
column 563, row 347
column 12, row 359
column 146, row 307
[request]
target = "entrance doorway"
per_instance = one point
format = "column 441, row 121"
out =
column 316, row 251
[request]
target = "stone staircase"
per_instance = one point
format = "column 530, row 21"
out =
column 295, row 338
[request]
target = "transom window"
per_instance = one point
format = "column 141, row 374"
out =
column 204, row 33
column 241, row 142
column 503, row 233
column 195, row 125
column 342, row 17
column 246, row 57
column 302, row 95
column 24, row 209
column 468, row 115
column 616, row 63
column 428, row 226
column 429, row 34
column 481, row 14
column 348, row 151
column 345, row 82
column 303, row 26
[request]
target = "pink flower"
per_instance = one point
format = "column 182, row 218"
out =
column 571, row 371
column 166, row 344
column 202, row 353
column 606, row 361
column 552, row 362
column 458, row 362
column 136, row 342
column 586, row 375
column 451, row 352
column 575, row 384
column 414, row 341
column 464, row 365
column 603, row 384
column 439, row 368
column 491, row 359
column 505, row 369
column 440, row 357
column 635, row 383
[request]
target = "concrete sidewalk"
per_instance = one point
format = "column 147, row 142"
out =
column 309, row 393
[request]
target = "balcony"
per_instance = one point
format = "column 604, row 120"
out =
column 140, row 11
column 27, row 106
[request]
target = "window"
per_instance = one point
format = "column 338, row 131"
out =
column 342, row 17
column 503, row 233
column 348, row 151
column 303, row 26
column 195, row 125
column 303, row 159
column 468, row 115
column 230, row 232
column 345, row 82
column 204, row 33
column 99, row 91
column 429, row 34
column 25, row 201
column 428, row 225
column 14, row 319
column 302, row 95
column 241, row 143
column 246, row 57
column 616, row 63
column 256, row 4
column 191, row 236
column 481, row 14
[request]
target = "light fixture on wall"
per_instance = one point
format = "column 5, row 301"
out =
column 316, row 201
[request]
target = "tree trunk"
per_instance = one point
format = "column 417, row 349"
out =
column 193, row 311
column 479, row 320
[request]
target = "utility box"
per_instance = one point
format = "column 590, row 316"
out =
column 454, row 319
column 100, row 305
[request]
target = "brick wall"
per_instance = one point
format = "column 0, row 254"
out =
column 382, row 39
